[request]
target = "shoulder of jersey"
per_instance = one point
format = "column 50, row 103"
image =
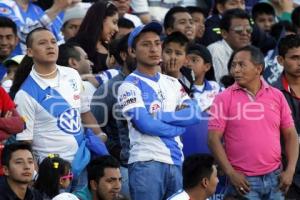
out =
column 169, row 78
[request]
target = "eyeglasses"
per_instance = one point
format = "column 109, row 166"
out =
column 68, row 176
column 240, row 29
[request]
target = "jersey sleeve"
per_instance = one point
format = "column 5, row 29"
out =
column 129, row 97
column 26, row 107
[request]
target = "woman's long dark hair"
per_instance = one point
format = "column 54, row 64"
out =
column 25, row 66
column 91, row 28
column 50, row 171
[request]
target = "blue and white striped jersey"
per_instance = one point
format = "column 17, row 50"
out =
column 146, row 101
column 51, row 110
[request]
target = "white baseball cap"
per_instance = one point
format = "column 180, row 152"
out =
column 77, row 11
column 65, row 196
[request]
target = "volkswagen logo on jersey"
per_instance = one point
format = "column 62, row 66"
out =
column 69, row 121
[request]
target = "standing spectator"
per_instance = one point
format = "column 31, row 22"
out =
column 236, row 33
column 264, row 16
column 157, row 109
column 199, row 178
column 49, row 99
column 8, row 41
column 199, row 16
column 18, row 165
column 54, row 176
column 123, row 10
column 179, row 19
column 245, row 116
column 100, row 24
column 72, row 55
column 104, row 180
column 205, row 87
column 288, row 84
column 174, row 51
column 29, row 16
column 72, row 19
column 107, row 112
column 273, row 69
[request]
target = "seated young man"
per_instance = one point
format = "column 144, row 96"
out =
column 264, row 16
column 18, row 165
column 199, row 178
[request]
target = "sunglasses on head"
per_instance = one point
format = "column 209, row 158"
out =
column 240, row 29
column 68, row 176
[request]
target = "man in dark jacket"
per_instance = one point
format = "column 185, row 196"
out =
column 18, row 164
column 289, row 84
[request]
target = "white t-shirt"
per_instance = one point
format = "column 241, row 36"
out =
column 180, row 195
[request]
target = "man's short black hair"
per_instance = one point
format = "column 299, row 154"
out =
column 96, row 167
column 236, row 13
column 176, row 37
column 6, row 22
column 256, row 56
column 11, row 148
column 169, row 17
column 117, row 46
column 67, row 51
column 195, row 168
column 196, row 9
column 262, row 8
column 287, row 43
column 125, row 23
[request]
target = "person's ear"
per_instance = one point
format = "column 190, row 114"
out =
column 280, row 60
column 260, row 69
column 169, row 31
column 5, row 171
column 72, row 62
column 29, row 52
column 131, row 52
column 207, row 67
column 93, row 185
column 123, row 56
column 224, row 33
column 205, row 182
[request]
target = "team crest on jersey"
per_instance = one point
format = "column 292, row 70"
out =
column 69, row 121
column 5, row 11
column 154, row 107
column 73, row 84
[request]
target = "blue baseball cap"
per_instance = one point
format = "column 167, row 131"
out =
column 152, row 26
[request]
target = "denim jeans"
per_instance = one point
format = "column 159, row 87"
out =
column 152, row 180
column 125, row 183
column 264, row 187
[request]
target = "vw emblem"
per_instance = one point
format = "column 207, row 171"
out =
column 69, row 121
